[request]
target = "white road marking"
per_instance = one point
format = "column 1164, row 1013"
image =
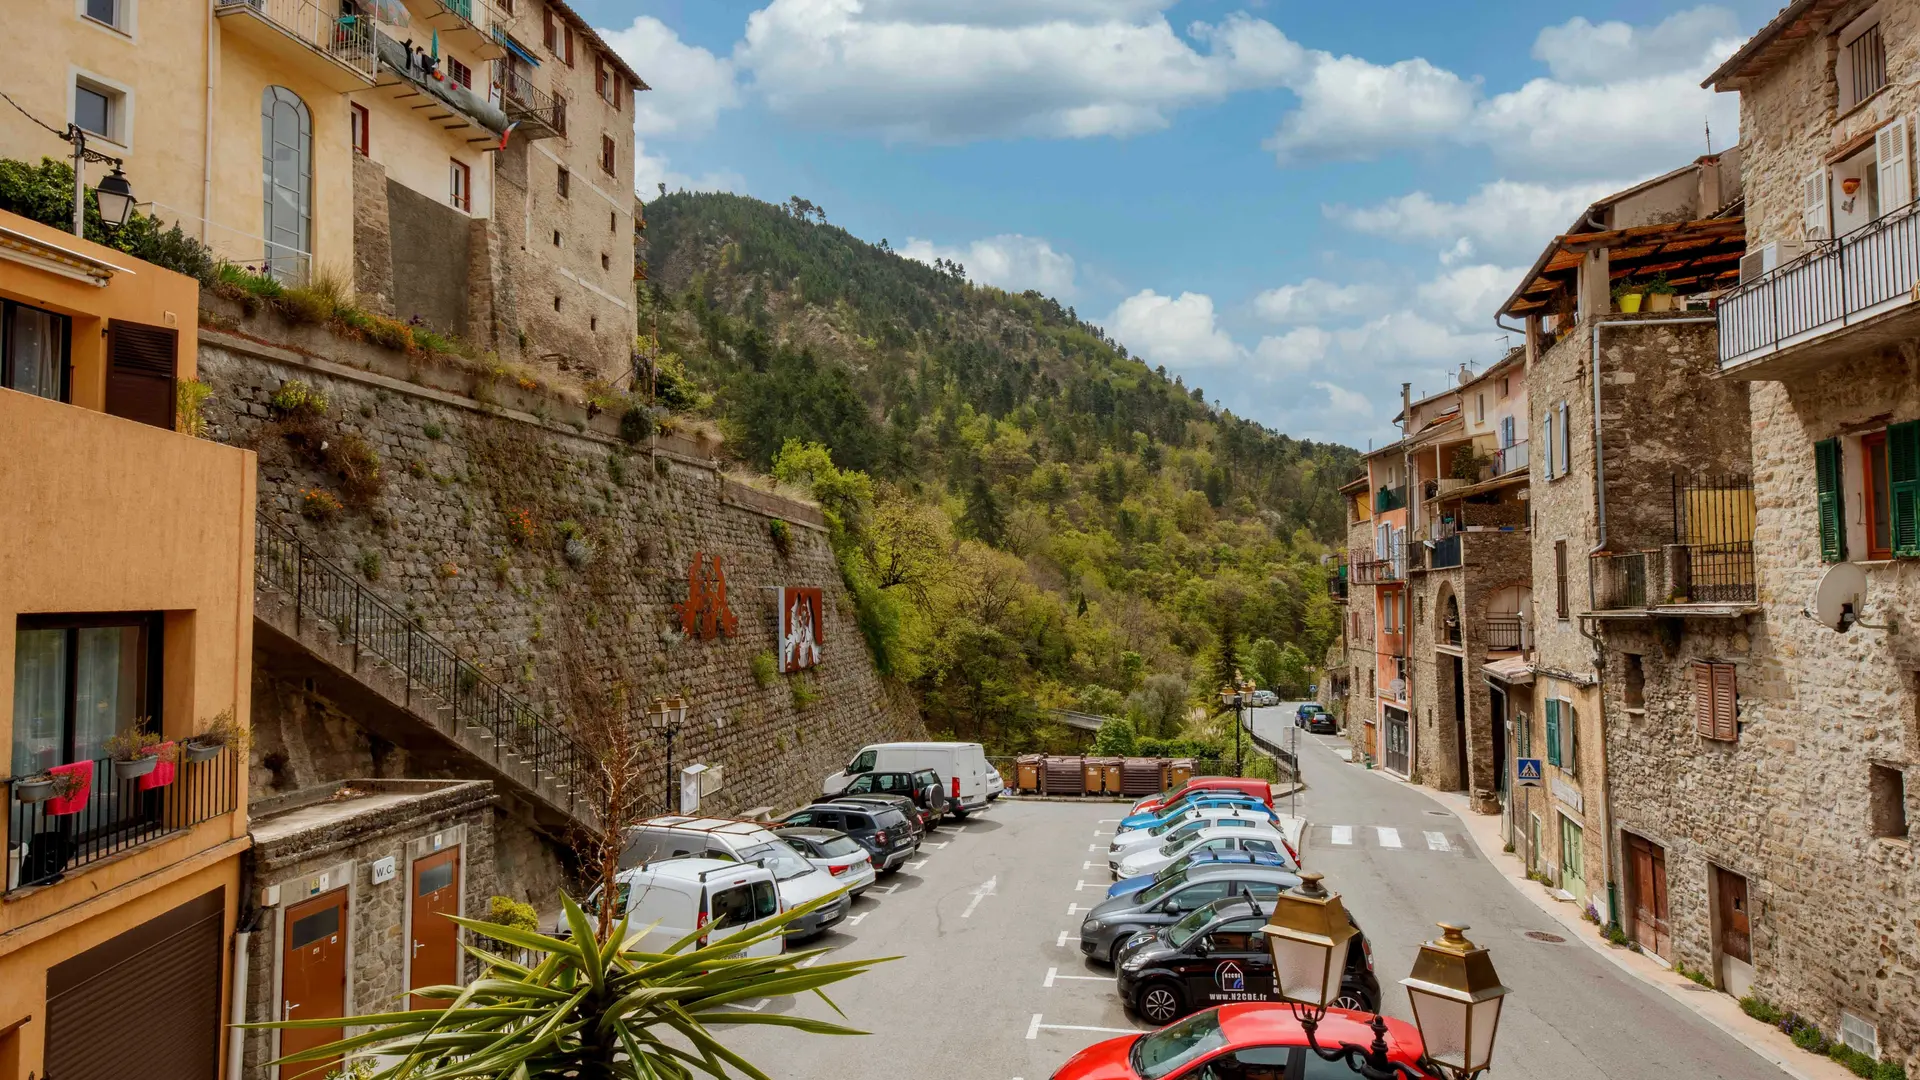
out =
column 1093, row 847
column 936, row 845
column 1088, row 865
column 1388, row 837
column 985, row 890
column 1075, row 909
column 886, row 890
column 854, row 920
column 1103, row 832
column 1078, row 885
column 946, row 829
column 1341, row 835
column 916, row 864
column 1438, row 842
column 1051, row 972
column 1034, row 1028
column 1063, row 938
column 752, row 1008
column 810, row 961
column 1109, row 821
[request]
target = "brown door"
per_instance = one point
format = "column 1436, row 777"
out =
column 1730, row 891
column 313, row 977
column 434, row 955
column 140, row 370
column 1649, row 877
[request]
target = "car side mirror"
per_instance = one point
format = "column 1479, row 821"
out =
column 1203, row 945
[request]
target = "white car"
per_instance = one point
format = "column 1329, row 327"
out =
column 1186, row 824
column 833, row 851
column 1261, row 839
column 674, row 897
column 995, row 782
column 800, row 881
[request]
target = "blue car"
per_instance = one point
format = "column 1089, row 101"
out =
column 1192, row 858
column 1198, row 802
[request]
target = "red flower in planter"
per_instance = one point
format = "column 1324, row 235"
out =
column 80, row 776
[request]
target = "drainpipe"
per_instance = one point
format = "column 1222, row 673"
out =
column 206, row 192
column 1406, row 587
column 1600, row 519
column 237, row 1011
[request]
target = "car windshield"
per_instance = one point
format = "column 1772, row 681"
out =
column 1190, row 924
column 1165, row 885
column 1164, row 1052
column 1173, row 846
column 834, row 846
column 1172, row 823
column 785, row 863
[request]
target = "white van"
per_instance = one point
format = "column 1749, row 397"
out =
column 679, row 896
column 677, row 836
column 962, row 767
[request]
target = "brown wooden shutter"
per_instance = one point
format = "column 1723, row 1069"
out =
column 1703, row 700
column 549, row 37
column 1726, row 724
column 140, row 372
column 569, row 45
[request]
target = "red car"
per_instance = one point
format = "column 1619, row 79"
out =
column 1248, row 1041
column 1259, row 789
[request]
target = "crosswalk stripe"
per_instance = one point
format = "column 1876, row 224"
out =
column 1388, row 837
column 1438, row 842
column 1341, row 835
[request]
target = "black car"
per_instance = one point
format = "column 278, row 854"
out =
column 1322, row 723
column 882, row 830
column 907, row 807
column 923, row 787
column 1217, row 954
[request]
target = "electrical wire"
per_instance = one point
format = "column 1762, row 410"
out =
column 94, row 156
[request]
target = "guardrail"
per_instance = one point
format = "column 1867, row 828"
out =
column 1504, row 633
column 329, row 595
column 1617, row 582
column 1839, row 282
column 48, row 839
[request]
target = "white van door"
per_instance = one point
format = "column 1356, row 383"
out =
column 743, row 906
column 863, row 762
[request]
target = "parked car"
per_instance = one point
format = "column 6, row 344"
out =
column 909, row 810
column 1305, row 713
column 1243, row 836
column 1197, row 801
column 996, row 784
column 1277, row 861
column 882, row 830
column 676, row 836
column 1184, row 825
column 672, row 898
column 1259, row 789
column 922, row 786
column 1216, row 954
column 1265, row 698
column 1254, row 1041
column 1323, row 723
column 1116, row 919
column 833, row 851
column 961, row 766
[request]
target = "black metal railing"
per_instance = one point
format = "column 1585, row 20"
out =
column 1712, row 557
column 1504, row 633
column 329, row 596
column 527, row 103
column 1508, row 459
column 1828, row 287
column 112, row 816
column 1445, row 553
column 1617, row 582
column 1377, row 571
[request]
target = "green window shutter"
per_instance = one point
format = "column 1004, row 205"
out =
column 1832, row 504
column 1553, row 731
column 1903, row 487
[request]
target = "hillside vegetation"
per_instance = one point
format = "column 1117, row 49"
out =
column 1028, row 517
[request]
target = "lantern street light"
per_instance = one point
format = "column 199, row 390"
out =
column 1237, row 697
column 115, row 197
column 1455, row 992
column 666, row 716
column 113, row 194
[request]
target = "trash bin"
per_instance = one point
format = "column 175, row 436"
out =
column 1095, row 770
column 1062, row 775
column 1112, row 776
column 1142, row 775
column 1026, row 772
column 1179, row 771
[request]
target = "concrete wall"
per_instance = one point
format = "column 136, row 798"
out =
column 429, row 248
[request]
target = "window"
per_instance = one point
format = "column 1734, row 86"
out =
column 1887, row 800
column 460, row 72
column 33, row 350
column 1560, row 578
column 564, row 184
column 602, row 85
column 1480, row 408
column 1715, row 713
column 1636, row 681
column 1877, row 508
column 1828, row 500
column 286, row 165
column 556, row 303
column 1546, row 445
column 1860, row 1033
column 96, row 109
column 1505, row 384
column 460, row 186
column 593, row 323
column 556, row 238
column 606, row 155
column 104, row 11
column 1862, row 69
column 549, row 33
column 568, row 55
column 77, row 680
column 613, row 221
column 361, row 122
column 1903, row 488
column 1563, row 736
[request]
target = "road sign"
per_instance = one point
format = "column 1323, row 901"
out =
column 1526, row 772
column 1313, row 689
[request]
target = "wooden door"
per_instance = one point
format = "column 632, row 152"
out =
column 313, row 975
column 1648, row 875
column 434, row 956
column 1730, row 892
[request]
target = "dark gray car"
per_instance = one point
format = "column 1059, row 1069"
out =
column 1114, row 920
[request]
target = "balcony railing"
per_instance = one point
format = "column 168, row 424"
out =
column 1389, row 498
column 1617, row 582
column 540, row 115
column 1711, row 557
column 1445, row 553
column 114, row 816
column 346, row 39
column 1505, row 633
column 1377, row 571
column 1510, row 458
column 1842, row 281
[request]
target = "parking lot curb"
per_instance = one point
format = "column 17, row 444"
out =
column 1279, row 792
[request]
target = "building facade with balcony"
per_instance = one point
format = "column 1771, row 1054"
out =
column 1377, row 712
column 1361, row 706
column 1618, row 402
column 1814, row 736
column 127, row 600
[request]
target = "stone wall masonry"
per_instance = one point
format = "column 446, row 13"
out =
column 440, row 542
column 1363, row 704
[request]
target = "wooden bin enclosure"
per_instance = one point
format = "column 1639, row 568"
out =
column 1026, row 772
column 1062, row 776
column 1142, row 775
column 1179, row 771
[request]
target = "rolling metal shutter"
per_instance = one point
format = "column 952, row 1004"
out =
column 140, row 372
column 145, row 1003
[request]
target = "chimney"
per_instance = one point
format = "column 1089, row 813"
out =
column 1466, row 374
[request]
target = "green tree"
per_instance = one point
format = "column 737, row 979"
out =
column 983, row 519
column 1114, row 739
column 1101, row 701
column 1263, row 662
column 1295, row 670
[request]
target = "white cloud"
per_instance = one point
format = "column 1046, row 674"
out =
column 650, row 171
column 690, row 86
column 1313, row 300
column 1010, row 261
column 1296, row 350
column 1350, row 108
column 1578, row 51
column 1505, row 217
column 1176, row 331
column 1344, row 402
column 1468, row 296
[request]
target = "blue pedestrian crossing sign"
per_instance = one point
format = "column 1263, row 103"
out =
column 1526, row 772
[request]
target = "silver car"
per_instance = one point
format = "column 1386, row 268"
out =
column 1114, row 920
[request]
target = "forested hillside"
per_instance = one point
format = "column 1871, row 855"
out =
column 1029, row 517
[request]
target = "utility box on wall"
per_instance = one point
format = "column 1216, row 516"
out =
column 696, row 781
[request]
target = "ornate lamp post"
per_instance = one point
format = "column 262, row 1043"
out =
column 666, row 716
column 1455, row 992
column 1238, row 698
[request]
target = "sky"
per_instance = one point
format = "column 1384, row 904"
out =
column 1295, row 206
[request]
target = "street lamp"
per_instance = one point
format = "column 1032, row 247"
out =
column 1455, row 992
column 1235, row 698
column 115, row 197
column 113, row 194
column 666, row 716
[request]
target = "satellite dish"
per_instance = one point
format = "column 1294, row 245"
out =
column 1838, row 598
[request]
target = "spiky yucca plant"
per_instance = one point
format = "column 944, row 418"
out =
column 589, row 1009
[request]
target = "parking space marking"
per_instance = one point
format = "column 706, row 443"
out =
column 1087, row 865
column 1075, row 909
column 1053, row 974
column 1078, row 885
column 1103, row 832
column 1341, row 835
column 810, row 961
column 1063, row 938
column 1438, row 842
column 886, row 890
column 1093, row 847
column 762, row 1003
column 935, row 844
column 854, row 920
column 1388, row 837
column 1035, row 1027
column 916, row 864
column 946, row 829
column 1109, row 821
column 985, row 890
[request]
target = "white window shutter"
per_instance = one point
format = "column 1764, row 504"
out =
column 1546, row 460
column 1813, row 193
column 1890, row 157
column 1566, row 439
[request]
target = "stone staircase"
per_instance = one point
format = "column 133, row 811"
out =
column 403, row 680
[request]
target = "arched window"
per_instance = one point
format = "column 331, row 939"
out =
column 286, row 174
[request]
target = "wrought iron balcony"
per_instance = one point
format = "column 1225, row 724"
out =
column 1445, row 553
column 1505, row 633
column 337, row 50
column 1378, row 571
column 47, row 840
column 540, row 115
column 1617, row 582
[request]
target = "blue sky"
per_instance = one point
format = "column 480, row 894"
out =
column 1295, row 206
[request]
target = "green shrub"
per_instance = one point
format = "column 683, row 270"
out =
column 370, row 564
column 636, row 424
column 782, row 536
column 1115, row 738
column 189, row 407
column 506, row 911
column 764, row 668
column 296, row 398
column 1808, row 1038
column 433, row 431
column 805, row 694
column 1764, row 1011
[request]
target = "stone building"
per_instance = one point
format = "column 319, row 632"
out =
column 1625, row 421
column 1358, row 705
column 350, row 886
column 1377, row 719
column 1805, row 882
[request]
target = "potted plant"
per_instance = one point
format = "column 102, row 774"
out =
column 135, row 751
column 41, row 787
column 1660, row 293
column 219, row 733
column 1627, row 294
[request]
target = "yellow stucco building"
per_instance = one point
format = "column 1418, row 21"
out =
column 126, row 596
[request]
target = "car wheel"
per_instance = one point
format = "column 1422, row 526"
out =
column 960, row 815
column 1352, row 999
column 1113, row 954
column 1160, row 1002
